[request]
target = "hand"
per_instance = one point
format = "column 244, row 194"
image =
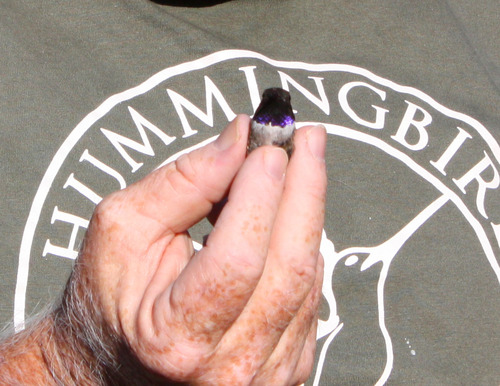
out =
column 243, row 310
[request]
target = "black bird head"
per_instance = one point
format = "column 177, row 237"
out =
column 275, row 108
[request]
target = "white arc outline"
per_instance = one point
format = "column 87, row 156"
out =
column 79, row 131
column 226, row 55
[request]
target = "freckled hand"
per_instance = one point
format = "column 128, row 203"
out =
column 273, row 122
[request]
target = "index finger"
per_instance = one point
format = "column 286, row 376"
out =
column 292, row 264
column 292, row 261
column 222, row 276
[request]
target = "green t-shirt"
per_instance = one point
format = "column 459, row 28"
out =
column 95, row 95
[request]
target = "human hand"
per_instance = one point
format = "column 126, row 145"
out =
column 242, row 310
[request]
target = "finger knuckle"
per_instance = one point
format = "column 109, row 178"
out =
column 106, row 212
column 197, row 170
column 186, row 168
column 300, row 272
column 232, row 374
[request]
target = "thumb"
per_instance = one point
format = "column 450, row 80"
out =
column 178, row 195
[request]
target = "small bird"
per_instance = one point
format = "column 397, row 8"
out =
column 273, row 122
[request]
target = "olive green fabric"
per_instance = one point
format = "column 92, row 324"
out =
column 97, row 94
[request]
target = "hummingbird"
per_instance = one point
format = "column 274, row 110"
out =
column 273, row 122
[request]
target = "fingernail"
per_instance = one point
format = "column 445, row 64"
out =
column 316, row 141
column 229, row 136
column 275, row 161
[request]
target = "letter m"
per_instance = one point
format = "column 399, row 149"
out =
column 120, row 142
column 211, row 92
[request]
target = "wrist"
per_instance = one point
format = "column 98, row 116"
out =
column 22, row 355
column 90, row 350
column 72, row 345
column 45, row 354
